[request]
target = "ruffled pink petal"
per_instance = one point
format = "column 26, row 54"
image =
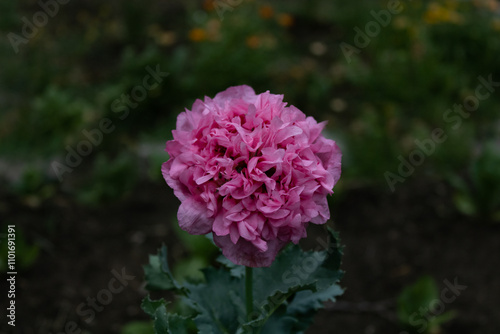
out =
column 237, row 92
column 192, row 217
column 245, row 253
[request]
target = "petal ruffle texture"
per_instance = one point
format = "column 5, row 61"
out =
column 251, row 170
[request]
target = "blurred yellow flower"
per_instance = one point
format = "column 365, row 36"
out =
column 208, row 5
column 166, row 38
column 197, row 34
column 160, row 36
column 114, row 28
column 266, row 11
column 437, row 13
column 285, row 20
column 253, row 41
column 401, row 22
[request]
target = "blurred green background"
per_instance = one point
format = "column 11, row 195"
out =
column 84, row 120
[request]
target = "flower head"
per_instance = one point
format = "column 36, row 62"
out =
column 285, row 20
column 197, row 34
column 252, row 171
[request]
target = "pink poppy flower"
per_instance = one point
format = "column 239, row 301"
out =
column 252, row 171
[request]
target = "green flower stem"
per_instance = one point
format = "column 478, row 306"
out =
column 249, row 291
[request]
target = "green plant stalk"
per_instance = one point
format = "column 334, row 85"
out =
column 249, row 291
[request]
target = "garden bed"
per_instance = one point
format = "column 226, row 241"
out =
column 390, row 239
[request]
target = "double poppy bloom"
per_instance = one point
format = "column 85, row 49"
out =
column 252, row 171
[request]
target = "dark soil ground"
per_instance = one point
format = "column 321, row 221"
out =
column 390, row 239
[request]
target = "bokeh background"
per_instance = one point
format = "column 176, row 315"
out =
column 418, row 204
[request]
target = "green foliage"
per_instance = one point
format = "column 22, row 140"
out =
column 201, row 253
column 56, row 116
column 419, row 294
column 197, row 244
column 155, row 160
column 414, row 303
column 138, row 327
column 111, row 179
column 33, row 187
column 478, row 194
column 164, row 322
column 286, row 295
column 426, row 60
column 56, row 110
column 158, row 274
column 395, row 90
column 190, row 268
column 371, row 140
